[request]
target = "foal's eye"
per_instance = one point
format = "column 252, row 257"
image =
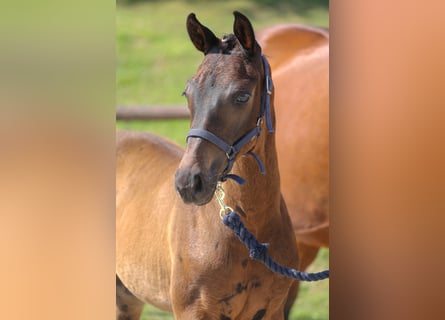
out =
column 243, row 98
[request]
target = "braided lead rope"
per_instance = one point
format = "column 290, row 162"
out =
column 258, row 251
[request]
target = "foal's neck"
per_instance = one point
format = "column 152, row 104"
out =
column 258, row 200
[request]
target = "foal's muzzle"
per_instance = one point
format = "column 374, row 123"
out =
column 194, row 186
column 199, row 171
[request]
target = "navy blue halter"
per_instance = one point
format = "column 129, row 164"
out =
column 232, row 150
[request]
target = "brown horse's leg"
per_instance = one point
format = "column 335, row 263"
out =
column 128, row 307
column 307, row 255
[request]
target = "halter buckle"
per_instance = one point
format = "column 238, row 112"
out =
column 231, row 153
column 259, row 122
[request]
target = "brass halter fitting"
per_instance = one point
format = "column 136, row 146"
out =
column 219, row 195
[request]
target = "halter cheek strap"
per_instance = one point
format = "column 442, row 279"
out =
column 232, row 150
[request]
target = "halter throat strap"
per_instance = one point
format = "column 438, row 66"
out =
column 232, row 150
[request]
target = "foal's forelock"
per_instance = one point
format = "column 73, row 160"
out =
column 226, row 45
column 230, row 45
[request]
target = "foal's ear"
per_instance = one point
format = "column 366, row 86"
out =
column 201, row 36
column 243, row 30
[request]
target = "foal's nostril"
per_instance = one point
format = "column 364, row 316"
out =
column 189, row 185
column 197, row 183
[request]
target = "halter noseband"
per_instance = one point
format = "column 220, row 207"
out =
column 232, row 150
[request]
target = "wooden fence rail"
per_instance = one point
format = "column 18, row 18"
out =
column 152, row 113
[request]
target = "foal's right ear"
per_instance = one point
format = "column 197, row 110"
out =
column 201, row 36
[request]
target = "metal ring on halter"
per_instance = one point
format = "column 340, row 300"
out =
column 224, row 211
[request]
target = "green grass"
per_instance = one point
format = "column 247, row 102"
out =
column 313, row 299
column 155, row 58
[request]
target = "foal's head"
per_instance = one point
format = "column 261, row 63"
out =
column 224, row 98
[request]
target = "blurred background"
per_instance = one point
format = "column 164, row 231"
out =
column 155, row 58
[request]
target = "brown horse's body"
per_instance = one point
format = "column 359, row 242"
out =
column 299, row 58
column 180, row 257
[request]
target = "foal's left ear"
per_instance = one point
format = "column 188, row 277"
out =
column 242, row 28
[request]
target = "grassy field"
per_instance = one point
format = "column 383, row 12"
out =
column 155, row 58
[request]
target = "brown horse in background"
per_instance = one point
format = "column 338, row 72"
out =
column 173, row 251
column 299, row 58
